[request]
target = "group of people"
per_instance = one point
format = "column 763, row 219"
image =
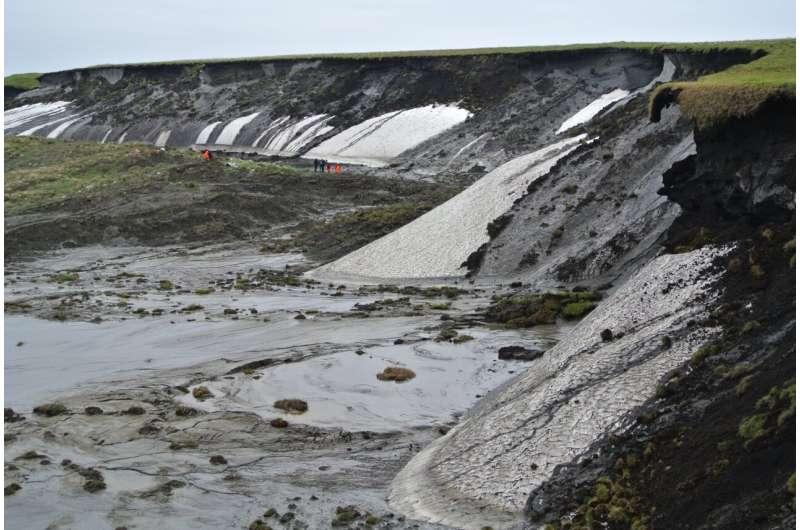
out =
column 325, row 167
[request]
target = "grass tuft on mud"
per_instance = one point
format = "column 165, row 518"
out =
column 23, row 82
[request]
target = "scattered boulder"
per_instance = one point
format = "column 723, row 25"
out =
column 93, row 411
column 149, row 429
column 279, row 423
column 218, row 460
column 396, row 374
column 518, row 353
column 184, row 411
column 11, row 489
column 292, row 406
column 607, row 335
column 301, row 316
column 10, row 416
column 133, row 411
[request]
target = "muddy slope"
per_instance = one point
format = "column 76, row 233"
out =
column 596, row 216
column 689, row 457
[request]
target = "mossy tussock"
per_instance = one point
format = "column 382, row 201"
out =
column 528, row 310
column 736, row 92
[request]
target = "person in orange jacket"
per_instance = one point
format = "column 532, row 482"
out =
column 206, row 155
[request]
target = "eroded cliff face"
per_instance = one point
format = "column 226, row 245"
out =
column 688, row 457
column 515, row 103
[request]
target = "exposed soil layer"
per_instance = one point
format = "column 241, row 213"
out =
column 716, row 447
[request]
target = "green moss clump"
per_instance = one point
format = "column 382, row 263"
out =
column 204, row 290
column 744, row 385
column 50, row 409
column 292, row 406
column 705, row 351
column 750, row 326
column 463, row 338
column 11, row 489
column 396, row 374
column 574, row 310
column 440, row 306
column 191, row 308
column 64, row 277
column 164, row 285
column 447, row 334
column 752, row 428
column 201, row 393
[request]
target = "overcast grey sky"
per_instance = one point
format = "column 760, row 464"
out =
column 47, row 35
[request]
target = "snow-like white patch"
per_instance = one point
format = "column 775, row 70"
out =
column 122, row 137
column 231, row 131
column 55, row 133
column 384, row 137
column 294, row 136
column 589, row 111
column 29, row 132
column 106, row 135
column 437, row 243
column 202, row 138
column 578, row 391
column 271, row 129
column 26, row 113
column 163, row 137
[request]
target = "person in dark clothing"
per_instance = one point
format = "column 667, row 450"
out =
column 316, row 165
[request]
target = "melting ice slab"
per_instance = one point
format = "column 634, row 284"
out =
column 580, row 390
column 26, row 113
column 378, row 140
column 589, row 111
column 437, row 243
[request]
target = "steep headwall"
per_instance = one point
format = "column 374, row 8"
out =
column 515, row 103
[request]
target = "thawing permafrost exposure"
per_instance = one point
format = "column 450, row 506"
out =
column 539, row 288
column 513, row 441
column 377, row 140
column 438, row 243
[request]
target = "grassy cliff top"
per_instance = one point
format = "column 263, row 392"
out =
column 736, row 91
column 23, row 81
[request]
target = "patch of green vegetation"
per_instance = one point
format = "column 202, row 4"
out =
column 50, row 409
column 705, row 351
column 192, row 308
column 462, row 339
column 396, row 374
column 737, row 91
column 775, row 409
column 744, row 385
column 527, row 310
column 165, row 285
column 201, row 393
column 204, row 290
column 64, row 277
column 575, row 310
column 42, row 173
column 443, row 306
column 27, row 81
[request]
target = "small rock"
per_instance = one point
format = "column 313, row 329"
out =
column 279, row 423
column 518, row 353
column 93, row 411
column 11, row 489
column 607, row 335
column 218, row 460
column 11, row 416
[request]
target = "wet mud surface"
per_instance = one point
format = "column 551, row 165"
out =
column 123, row 338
